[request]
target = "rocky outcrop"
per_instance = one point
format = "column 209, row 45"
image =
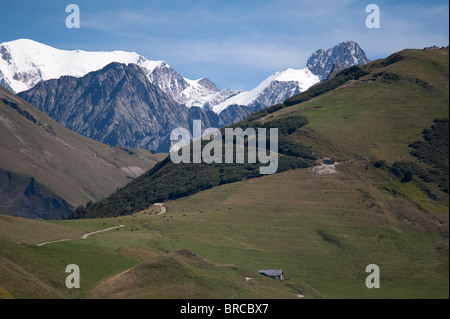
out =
column 347, row 54
column 119, row 106
column 337, row 67
column 116, row 105
column 168, row 80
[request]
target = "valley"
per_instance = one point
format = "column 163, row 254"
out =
column 209, row 242
column 46, row 170
column 204, row 230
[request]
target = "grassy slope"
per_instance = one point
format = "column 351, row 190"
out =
column 322, row 230
column 378, row 120
column 269, row 222
column 74, row 167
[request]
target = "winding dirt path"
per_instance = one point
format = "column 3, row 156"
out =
column 82, row 237
column 161, row 205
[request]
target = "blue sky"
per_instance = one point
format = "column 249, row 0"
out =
column 236, row 44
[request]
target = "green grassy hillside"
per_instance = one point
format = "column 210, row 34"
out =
column 368, row 113
column 73, row 167
column 322, row 230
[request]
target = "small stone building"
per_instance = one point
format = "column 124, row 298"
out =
column 272, row 273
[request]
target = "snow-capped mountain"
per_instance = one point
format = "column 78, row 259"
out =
column 24, row 63
column 203, row 93
column 285, row 84
column 275, row 89
column 346, row 54
column 168, row 80
column 116, row 105
column 126, row 99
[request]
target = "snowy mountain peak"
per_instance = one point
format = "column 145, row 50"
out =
column 275, row 89
column 24, row 63
column 200, row 92
column 347, row 54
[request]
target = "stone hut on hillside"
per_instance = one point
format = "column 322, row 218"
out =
column 272, row 273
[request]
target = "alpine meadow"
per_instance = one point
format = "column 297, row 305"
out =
column 386, row 203
column 323, row 181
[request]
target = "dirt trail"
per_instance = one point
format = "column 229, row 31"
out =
column 161, row 205
column 82, row 237
column 100, row 231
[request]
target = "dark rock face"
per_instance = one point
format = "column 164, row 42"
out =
column 235, row 113
column 23, row 196
column 346, row 54
column 277, row 92
column 337, row 67
column 118, row 105
column 4, row 83
column 5, row 54
column 207, row 83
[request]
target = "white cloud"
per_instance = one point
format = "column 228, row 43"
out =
column 119, row 19
column 264, row 55
column 270, row 35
